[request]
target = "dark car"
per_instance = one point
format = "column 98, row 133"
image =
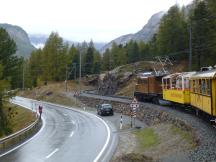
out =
column 104, row 109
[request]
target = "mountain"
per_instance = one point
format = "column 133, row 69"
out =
column 24, row 46
column 39, row 40
column 145, row 34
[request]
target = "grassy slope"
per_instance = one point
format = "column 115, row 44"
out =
column 147, row 138
column 56, row 93
column 18, row 117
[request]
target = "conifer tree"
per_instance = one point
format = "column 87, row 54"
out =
column 201, row 33
column 173, row 32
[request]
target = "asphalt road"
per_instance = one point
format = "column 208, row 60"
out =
column 66, row 136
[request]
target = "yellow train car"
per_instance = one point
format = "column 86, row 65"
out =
column 203, row 91
column 176, row 87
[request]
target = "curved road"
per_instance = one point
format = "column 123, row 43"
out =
column 67, row 135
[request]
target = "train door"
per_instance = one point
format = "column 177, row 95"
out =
column 213, row 91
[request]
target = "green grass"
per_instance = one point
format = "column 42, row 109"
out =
column 147, row 138
column 185, row 135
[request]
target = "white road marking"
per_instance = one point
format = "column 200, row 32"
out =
column 52, row 153
column 65, row 114
column 107, row 140
column 72, row 133
column 44, row 123
column 107, row 127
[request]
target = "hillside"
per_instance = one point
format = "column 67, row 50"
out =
column 145, row 34
column 24, row 46
column 121, row 80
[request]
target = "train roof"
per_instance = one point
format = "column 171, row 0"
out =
column 183, row 75
column 205, row 74
column 147, row 75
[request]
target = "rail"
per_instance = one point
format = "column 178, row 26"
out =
column 17, row 138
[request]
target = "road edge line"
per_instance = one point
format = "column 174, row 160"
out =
column 22, row 144
column 107, row 141
column 84, row 112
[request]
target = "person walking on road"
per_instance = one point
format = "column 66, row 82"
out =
column 40, row 108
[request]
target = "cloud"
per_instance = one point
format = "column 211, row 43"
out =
column 79, row 17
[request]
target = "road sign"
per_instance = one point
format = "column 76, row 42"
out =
column 134, row 104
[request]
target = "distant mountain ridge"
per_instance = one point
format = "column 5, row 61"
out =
column 24, row 46
column 145, row 34
column 39, row 40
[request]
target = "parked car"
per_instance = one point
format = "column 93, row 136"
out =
column 104, row 109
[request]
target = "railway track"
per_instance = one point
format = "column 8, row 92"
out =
column 185, row 109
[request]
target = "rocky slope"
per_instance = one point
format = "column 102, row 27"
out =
column 24, row 46
column 145, row 34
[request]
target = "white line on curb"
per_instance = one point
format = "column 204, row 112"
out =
column 107, row 140
column 72, row 133
column 52, row 153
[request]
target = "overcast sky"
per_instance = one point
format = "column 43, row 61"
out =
column 78, row 20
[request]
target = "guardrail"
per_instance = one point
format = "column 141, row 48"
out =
column 19, row 137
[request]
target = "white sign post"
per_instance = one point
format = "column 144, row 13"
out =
column 134, row 105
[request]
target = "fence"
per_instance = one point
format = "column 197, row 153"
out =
column 19, row 137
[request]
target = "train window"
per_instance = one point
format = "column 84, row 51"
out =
column 173, row 85
column 186, row 83
column 203, row 86
column 208, row 87
column 196, row 86
column 200, row 86
column 192, row 86
column 179, row 83
column 167, row 83
column 163, row 84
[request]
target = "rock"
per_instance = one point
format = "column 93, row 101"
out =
column 49, row 93
column 126, row 77
column 110, row 82
column 108, row 85
column 91, row 80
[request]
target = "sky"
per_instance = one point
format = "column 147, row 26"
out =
column 79, row 20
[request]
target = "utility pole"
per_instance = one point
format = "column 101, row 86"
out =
column 80, row 72
column 109, row 61
column 74, row 67
column 66, row 78
column 190, row 48
column 23, row 78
